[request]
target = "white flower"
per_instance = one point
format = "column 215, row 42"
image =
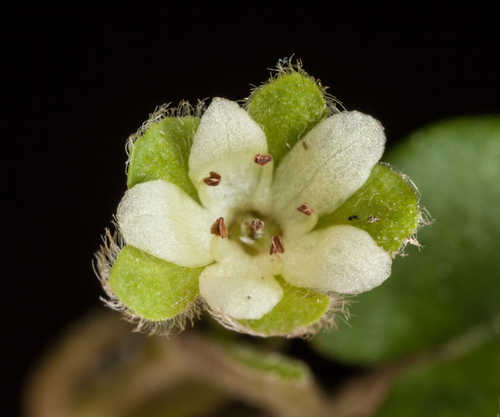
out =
column 256, row 222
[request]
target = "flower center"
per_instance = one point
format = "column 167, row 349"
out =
column 256, row 233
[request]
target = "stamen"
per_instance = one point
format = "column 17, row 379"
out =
column 304, row 208
column 276, row 245
column 304, row 145
column 353, row 217
column 213, row 179
column 373, row 219
column 219, row 228
column 262, row 159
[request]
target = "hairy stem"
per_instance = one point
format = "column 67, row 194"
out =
column 101, row 368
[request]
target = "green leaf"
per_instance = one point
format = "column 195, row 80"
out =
column 297, row 310
column 452, row 284
column 269, row 363
column 287, row 107
column 162, row 152
column 463, row 387
column 152, row 288
column 386, row 206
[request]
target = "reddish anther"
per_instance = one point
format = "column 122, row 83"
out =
column 304, row 208
column 213, row 179
column 262, row 159
column 219, row 228
column 276, row 245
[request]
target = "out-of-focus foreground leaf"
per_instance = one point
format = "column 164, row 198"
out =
column 452, row 284
column 267, row 363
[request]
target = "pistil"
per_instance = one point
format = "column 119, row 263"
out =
column 253, row 231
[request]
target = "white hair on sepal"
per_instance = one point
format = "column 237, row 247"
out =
column 424, row 216
column 112, row 244
column 337, row 309
column 183, row 109
column 288, row 65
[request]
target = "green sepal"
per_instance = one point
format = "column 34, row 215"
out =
column 386, row 206
column 287, row 107
column 299, row 309
column 265, row 362
column 451, row 284
column 462, row 387
column 162, row 152
column 152, row 288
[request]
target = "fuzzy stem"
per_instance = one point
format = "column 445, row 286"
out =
column 74, row 379
column 102, row 369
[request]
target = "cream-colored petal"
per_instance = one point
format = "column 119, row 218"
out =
column 239, row 288
column 161, row 219
column 324, row 169
column 226, row 143
column 231, row 250
column 343, row 259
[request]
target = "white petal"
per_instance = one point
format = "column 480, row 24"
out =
column 161, row 219
column 334, row 160
column 343, row 259
column 237, row 287
column 226, row 143
column 228, row 250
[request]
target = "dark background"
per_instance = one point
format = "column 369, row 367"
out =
column 79, row 81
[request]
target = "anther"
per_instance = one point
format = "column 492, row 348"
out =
column 276, row 245
column 304, row 208
column 262, row 159
column 372, row 219
column 219, row 228
column 213, row 179
column 304, row 145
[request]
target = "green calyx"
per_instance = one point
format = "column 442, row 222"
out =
column 296, row 312
column 162, row 152
column 386, row 206
column 151, row 288
column 287, row 107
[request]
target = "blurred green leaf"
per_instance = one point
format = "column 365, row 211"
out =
column 452, row 284
column 162, row 152
column 268, row 363
column 462, row 387
column 386, row 206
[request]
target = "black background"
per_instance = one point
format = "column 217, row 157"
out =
column 79, row 81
